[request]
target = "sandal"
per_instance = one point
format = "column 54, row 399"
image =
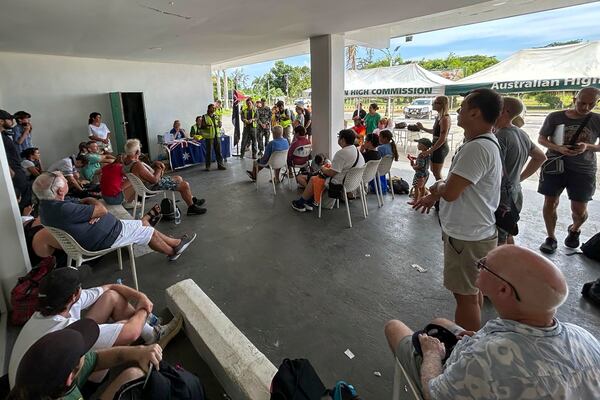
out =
column 155, row 215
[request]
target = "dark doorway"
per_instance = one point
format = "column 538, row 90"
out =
column 135, row 118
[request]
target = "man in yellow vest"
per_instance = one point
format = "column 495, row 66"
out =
column 249, row 119
column 219, row 111
column 284, row 118
column 211, row 131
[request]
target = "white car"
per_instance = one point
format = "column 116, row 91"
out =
column 419, row 108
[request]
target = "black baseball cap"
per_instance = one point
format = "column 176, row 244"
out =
column 22, row 114
column 45, row 367
column 57, row 287
column 5, row 115
column 424, row 141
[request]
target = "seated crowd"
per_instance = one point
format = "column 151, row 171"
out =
column 526, row 352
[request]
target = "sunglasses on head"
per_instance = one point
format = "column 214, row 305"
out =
column 481, row 264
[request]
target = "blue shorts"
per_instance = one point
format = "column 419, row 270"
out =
column 114, row 200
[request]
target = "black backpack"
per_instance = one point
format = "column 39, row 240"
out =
column 591, row 291
column 400, row 186
column 297, row 380
column 170, row 211
column 168, row 382
column 591, row 248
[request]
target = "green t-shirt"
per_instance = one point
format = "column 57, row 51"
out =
column 92, row 166
column 89, row 365
column 371, row 122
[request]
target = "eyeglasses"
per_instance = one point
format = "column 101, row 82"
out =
column 481, row 265
column 54, row 175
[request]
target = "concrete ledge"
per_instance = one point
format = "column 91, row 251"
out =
column 240, row 367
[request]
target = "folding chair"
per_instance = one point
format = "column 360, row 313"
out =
column 78, row 254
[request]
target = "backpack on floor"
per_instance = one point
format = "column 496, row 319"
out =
column 170, row 211
column 400, row 186
column 168, row 382
column 297, row 380
column 24, row 296
column 343, row 391
column 591, row 248
column 591, row 291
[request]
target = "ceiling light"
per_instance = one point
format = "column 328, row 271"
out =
column 171, row 3
column 155, row 48
column 500, row 3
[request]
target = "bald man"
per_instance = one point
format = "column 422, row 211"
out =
column 578, row 153
column 516, row 149
column 525, row 353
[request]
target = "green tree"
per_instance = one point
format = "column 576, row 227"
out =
column 283, row 80
column 554, row 44
column 549, row 98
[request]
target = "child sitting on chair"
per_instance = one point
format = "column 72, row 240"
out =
column 421, row 166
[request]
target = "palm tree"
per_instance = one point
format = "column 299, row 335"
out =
column 351, row 57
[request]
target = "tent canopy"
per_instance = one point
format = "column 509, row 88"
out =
column 400, row 80
column 568, row 67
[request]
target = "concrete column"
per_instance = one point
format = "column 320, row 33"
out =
column 327, row 75
column 15, row 261
column 226, row 84
column 219, row 93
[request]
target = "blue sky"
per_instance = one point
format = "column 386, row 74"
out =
column 498, row 38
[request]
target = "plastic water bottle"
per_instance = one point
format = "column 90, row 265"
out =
column 119, row 281
column 177, row 216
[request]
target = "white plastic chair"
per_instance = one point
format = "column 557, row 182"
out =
column 277, row 161
column 78, row 254
column 370, row 174
column 385, row 170
column 404, row 388
column 142, row 191
column 301, row 151
column 352, row 181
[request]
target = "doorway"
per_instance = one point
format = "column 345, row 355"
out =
column 129, row 117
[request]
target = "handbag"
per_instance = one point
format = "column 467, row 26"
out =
column 556, row 165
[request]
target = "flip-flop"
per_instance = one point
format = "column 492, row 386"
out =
column 155, row 215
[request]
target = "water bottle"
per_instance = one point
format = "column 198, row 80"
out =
column 119, row 281
column 177, row 216
column 153, row 320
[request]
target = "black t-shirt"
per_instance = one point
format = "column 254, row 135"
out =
column 74, row 218
column 370, row 155
column 12, row 154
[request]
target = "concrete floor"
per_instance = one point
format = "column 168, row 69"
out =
column 298, row 286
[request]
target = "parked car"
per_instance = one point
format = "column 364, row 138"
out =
column 419, row 108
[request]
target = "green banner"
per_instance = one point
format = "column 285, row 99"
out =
column 534, row 85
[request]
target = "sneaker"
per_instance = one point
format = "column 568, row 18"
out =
column 195, row 209
column 198, row 201
column 221, row 168
column 572, row 239
column 310, row 205
column 167, row 332
column 181, row 247
column 131, row 205
column 298, row 207
column 549, row 246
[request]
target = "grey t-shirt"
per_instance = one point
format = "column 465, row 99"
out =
column 515, row 145
column 582, row 163
column 74, row 218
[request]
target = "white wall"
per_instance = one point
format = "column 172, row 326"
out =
column 60, row 93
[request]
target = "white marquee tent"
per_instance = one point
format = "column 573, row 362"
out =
column 568, row 67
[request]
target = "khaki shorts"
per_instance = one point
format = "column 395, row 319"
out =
column 460, row 259
column 411, row 363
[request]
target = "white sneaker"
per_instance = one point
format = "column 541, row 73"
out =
column 167, row 332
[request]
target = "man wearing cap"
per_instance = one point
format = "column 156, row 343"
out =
column 17, row 172
column 264, row 125
column 526, row 353
column 62, row 301
column 93, row 226
column 59, row 364
column 468, row 199
column 22, row 131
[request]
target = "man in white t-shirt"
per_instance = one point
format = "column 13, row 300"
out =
column 62, row 301
column 346, row 158
column 468, row 199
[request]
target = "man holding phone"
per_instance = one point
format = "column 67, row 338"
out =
column 571, row 165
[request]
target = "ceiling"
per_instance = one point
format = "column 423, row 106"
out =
column 228, row 33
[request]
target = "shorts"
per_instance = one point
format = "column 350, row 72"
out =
column 133, row 232
column 580, row 186
column 166, row 183
column 114, row 200
column 460, row 259
column 419, row 175
column 411, row 363
column 438, row 156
